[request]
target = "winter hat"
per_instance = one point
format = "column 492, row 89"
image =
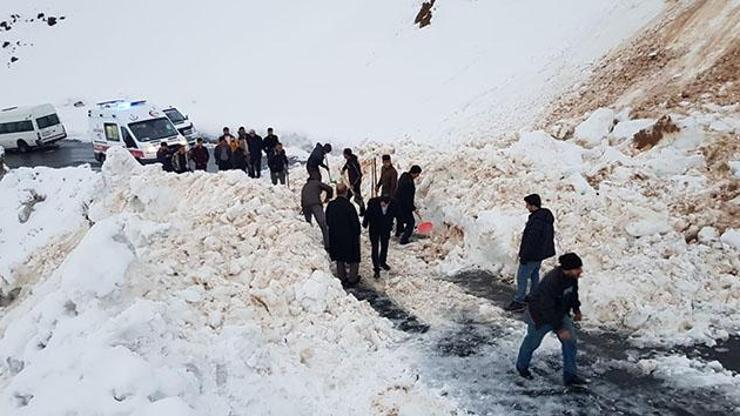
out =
column 386, row 157
column 533, row 199
column 570, row 261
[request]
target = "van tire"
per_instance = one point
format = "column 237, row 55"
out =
column 100, row 157
column 23, row 147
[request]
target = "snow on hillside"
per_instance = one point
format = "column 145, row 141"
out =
column 344, row 70
column 173, row 303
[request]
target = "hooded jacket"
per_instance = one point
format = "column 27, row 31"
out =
column 538, row 237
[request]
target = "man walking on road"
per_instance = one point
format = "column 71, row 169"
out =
column 313, row 205
column 344, row 236
column 549, row 310
column 537, row 244
column 316, row 160
column 405, row 195
column 199, row 155
column 354, row 174
column 379, row 218
column 388, row 178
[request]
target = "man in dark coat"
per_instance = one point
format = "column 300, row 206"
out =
column 222, row 154
column 199, row 155
column 316, row 160
column 549, row 310
column 354, row 174
column 180, row 161
column 277, row 161
column 164, row 156
column 270, row 142
column 537, row 244
column 226, row 135
column 254, row 144
column 388, row 182
column 313, row 205
column 379, row 218
column 405, row 196
column 344, row 236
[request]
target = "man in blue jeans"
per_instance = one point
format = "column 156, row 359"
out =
column 549, row 310
column 537, row 244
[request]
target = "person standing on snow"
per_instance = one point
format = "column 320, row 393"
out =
column 222, row 154
column 344, row 236
column 354, row 174
column 537, row 244
column 270, row 143
column 388, row 178
column 180, row 160
column 405, row 195
column 199, row 155
column 549, row 310
column 254, row 144
column 278, row 164
column 379, row 217
column 242, row 136
column 164, row 156
column 316, row 160
column 313, row 205
column 226, row 135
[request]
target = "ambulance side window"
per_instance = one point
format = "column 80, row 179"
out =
column 111, row 132
column 130, row 143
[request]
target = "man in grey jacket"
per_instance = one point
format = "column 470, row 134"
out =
column 313, row 205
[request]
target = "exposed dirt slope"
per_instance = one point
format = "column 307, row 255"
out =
column 689, row 55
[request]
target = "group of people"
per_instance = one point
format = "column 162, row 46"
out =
column 243, row 152
column 340, row 222
column 548, row 304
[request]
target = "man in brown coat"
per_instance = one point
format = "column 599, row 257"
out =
column 388, row 178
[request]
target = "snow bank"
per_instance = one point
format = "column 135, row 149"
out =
column 179, row 302
column 38, row 206
column 684, row 373
column 628, row 214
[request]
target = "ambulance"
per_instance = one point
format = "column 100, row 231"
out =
column 25, row 127
column 182, row 124
column 138, row 126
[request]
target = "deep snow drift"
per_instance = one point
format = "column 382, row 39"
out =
column 175, row 302
column 344, row 70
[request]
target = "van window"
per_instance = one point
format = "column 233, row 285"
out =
column 127, row 139
column 111, row 132
column 16, row 127
column 174, row 115
column 47, row 121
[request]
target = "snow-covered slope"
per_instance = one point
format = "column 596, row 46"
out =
column 345, row 70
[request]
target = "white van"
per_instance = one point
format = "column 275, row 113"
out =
column 25, row 127
column 182, row 124
column 136, row 125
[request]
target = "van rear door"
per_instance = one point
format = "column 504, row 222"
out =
column 50, row 128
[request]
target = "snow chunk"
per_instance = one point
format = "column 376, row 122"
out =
column 648, row 226
column 625, row 130
column 596, row 127
column 731, row 237
column 735, row 166
column 708, row 235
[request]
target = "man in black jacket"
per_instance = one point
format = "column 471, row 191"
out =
column 269, row 144
column 549, row 310
column 222, row 154
column 379, row 218
column 164, row 156
column 537, row 244
column 254, row 144
column 316, row 160
column 344, row 236
column 277, row 161
column 312, row 204
column 354, row 174
column 405, row 195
